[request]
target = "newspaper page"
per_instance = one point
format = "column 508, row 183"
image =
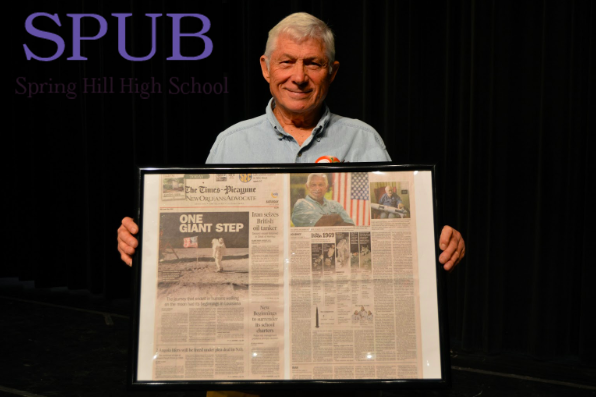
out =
column 283, row 276
column 354, row 311
column 219, row 278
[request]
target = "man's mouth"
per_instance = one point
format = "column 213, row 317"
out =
column 294, row 93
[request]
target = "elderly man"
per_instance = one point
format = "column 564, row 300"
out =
column 299, row 65
column 297, row 127
column 315, row 209
column 390, row 199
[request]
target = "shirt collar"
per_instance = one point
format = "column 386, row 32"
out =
column 312, row 200
column 279, row 129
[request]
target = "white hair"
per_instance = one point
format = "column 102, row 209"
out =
column 318, row 175
column 300, row 26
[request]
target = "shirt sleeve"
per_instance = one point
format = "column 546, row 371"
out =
column 214, row 154
column 304, row 214
column 365, row 144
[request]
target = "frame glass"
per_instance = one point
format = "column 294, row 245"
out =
column 287, row 276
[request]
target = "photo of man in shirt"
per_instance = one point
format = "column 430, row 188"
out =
column 390, row 199
column 315, row 209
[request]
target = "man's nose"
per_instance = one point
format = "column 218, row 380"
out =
column 299, row 75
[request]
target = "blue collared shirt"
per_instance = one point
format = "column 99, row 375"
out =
column 308, row 211
column 392, row 201
column 263, row 140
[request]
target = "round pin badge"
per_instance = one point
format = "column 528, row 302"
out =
column 327, row 159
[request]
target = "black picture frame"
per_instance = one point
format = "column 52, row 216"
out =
column 433, row 272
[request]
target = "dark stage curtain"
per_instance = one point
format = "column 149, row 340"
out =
column 498, row 93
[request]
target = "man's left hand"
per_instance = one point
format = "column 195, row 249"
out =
column 453, row 246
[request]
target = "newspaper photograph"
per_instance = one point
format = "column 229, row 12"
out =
column 300, row 276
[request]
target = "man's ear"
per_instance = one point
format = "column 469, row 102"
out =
column 335, row 67
column 264, row 68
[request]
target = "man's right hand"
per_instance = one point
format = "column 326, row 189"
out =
column 126, row 241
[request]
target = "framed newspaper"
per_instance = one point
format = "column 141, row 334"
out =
column 317, row 277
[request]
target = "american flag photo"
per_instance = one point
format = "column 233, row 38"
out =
column 351, row 191
column 191, row 242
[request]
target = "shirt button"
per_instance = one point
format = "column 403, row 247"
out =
column 299, row 154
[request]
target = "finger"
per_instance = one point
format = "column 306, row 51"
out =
column 130, row 225
column 127, row 238
column 125, row 248
column 457, row 256
column 454, row 260
column 450, row 248
column 126, row 259
column 445, row 238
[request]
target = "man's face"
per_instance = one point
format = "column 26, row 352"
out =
column 389, row 191
column 298, row 75
column 317, row 187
